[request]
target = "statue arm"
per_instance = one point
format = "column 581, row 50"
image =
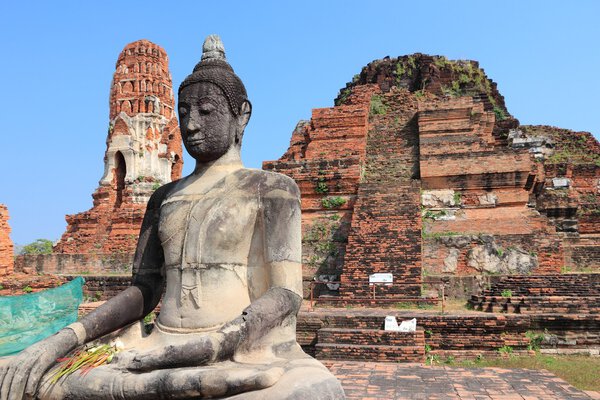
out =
column 142, row 297
column 20, row 377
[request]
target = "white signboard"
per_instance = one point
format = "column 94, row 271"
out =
column 381, row 278
column 391, row 324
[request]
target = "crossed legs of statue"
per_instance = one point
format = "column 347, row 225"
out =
column 293, row 375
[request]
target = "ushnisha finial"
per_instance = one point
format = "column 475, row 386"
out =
column 213, row 48
column 214, row 68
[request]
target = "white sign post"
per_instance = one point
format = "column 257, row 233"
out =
column 380, row 278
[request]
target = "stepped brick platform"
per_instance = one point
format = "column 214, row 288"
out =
column 548, row 285
column 370, row 345
column 461, row 336
column 537, row 304
column 543, row 294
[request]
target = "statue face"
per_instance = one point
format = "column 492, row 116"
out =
column 208, row 127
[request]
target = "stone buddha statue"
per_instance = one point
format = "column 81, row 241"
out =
column 226, row 243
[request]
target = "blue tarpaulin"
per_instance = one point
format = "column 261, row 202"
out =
column 32, row 317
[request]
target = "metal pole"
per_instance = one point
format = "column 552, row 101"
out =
column 443, row 298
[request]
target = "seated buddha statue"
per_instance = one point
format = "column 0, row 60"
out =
column 225, row 241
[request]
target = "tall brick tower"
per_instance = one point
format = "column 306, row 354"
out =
column 143, row 151
column 6, row 245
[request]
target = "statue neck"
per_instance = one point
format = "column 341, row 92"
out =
column 231, row 160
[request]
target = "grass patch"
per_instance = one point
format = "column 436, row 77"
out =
column 377, row 106
column 413, row 306
column 580, row 371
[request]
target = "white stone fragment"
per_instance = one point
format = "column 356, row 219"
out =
column 560, row 183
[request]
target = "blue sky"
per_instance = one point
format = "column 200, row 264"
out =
column 58, row 60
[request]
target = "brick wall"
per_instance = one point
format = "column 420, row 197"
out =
column 103, row 287
column 74, row 263
column 6, row 244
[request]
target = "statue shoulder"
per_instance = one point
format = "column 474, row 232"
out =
column 160, row 195
column 270, row 183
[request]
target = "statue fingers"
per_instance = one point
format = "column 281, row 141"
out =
column 23, row 373
column 3, row 369
column 123, row 359
column 221, row 383
column 6, row 390
column 254, row 380
column 35, row 376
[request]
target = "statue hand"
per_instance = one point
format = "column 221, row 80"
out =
column 20, row 377
column 197, row 351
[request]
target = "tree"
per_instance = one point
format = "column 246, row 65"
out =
column 40, row 246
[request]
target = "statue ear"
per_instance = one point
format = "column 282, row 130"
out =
column 244, row 117
column 245, row 112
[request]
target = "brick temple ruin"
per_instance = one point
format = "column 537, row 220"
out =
column 143, row 152
column 6, row 244
column 420, row 169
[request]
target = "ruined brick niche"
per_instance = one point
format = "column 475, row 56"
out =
column 143, row 152
column 420, row 168
column 6, row 244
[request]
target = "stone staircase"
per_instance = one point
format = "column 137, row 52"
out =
column 370, row 345
column 541, row 294
column 385, row 232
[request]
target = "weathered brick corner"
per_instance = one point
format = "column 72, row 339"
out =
column 6, row 244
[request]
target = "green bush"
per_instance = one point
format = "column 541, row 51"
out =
column 505, row 350
column 500, row 115
column 321, row 187
column 535, row 340
column 377, row 106
column 40, row 246
column 333, row 202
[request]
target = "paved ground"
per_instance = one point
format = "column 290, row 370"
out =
column 369, row 380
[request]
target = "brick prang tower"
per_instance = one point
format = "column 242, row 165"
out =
column 143, row 152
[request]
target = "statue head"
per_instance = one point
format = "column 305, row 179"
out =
column 213, row 105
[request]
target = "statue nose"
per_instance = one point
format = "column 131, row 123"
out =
column 193, row 124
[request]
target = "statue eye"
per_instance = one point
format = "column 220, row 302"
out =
column 183, row 110
column 206, row 108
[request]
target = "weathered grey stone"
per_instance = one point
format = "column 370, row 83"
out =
column 451, row 261
column 489, row 258
column 488, row 199
column 439, row 198
column 458, row 241
column 484, row 259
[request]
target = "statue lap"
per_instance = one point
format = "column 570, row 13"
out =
column 284, row 373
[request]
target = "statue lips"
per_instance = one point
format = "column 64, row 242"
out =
column 194, row 141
